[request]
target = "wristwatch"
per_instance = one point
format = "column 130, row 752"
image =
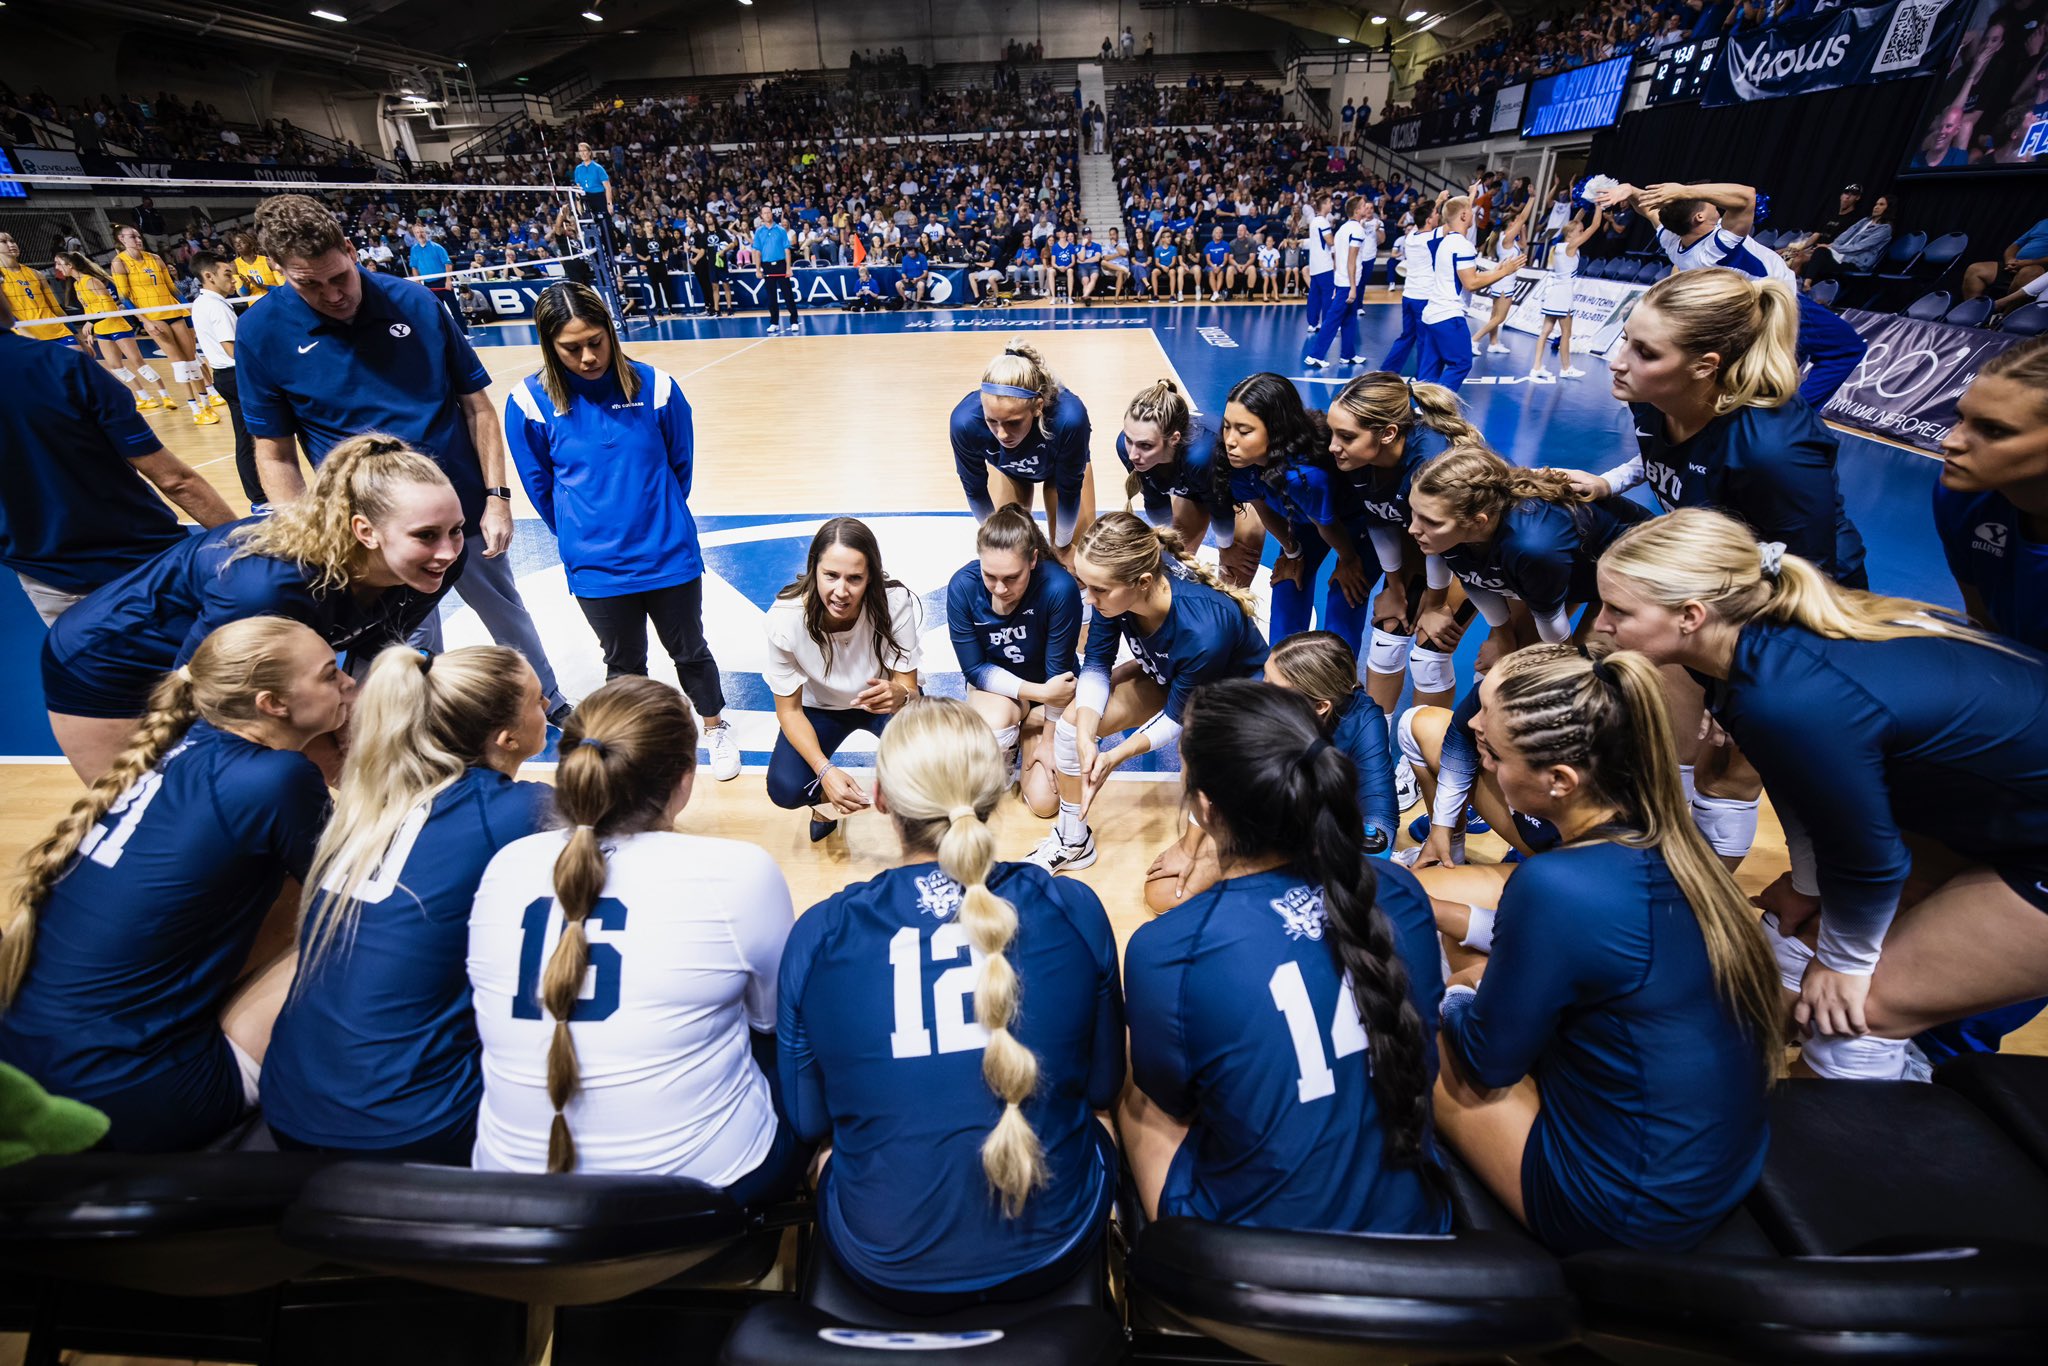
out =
column 504, row 493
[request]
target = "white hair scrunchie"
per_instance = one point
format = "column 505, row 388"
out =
column 960, row 813
column 1772, row 556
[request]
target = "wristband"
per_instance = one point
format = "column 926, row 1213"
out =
column 504, row 493
column 1293, row 554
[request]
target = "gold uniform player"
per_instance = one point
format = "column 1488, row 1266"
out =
column 29, row 294
column 146, row 281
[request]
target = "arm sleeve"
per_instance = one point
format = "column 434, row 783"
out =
column 1790, row 494
column 1530, row 981
column 761, row 921
column 1626, row 475
column 532, row 456
column 975, row 664
column 803, row 1085
column 1390, row 545
column 1070, row 473
column 1153, row 992
column 1553, row 626
column 1161, row 731
column 1375, row 767
column 1457, row 765
column 1223, row 525
column 1099, row 658
column 1491, row 605
column 1063, row 637
column 1435, row 572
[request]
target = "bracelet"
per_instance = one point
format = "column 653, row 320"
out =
column 1293, row 554
column 827, row 768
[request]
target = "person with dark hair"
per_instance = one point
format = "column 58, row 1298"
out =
column 1307, row 962
column 843, row 655
column 606, row 449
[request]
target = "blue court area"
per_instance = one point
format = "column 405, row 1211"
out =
column 1575, row 424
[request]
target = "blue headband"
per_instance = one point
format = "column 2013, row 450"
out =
column 598, row 745
column 1009, row 390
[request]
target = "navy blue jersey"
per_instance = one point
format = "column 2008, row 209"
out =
column 1380, row 493
column 113, row 647
column 1985, row 539
column 1190, row 475
column 1360, row 730
column 1866, row 742
column 73, row 511
column 1653, row 1122
column 1774, row 468
column 1457, row 772
column 1206, row 636
column 377, row 1046
column 139, row 944
column 1033, row 643
column 1306, row 495
column 880, row 1052
column 1544, row 553
column 1060, row 458
column 1243, row 1026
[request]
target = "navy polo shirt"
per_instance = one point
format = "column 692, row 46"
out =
column 400, row 367
column 74, row 514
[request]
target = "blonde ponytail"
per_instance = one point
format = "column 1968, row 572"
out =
column 360, row 476
column 1751, row 325
column 1126, row 548
column 942, row 776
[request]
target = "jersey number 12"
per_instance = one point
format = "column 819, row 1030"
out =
column 1314, row 1077
column 958, row 1030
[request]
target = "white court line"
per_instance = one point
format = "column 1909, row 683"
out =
column 724, row 358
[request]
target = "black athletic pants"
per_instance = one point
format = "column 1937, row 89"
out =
column 678, row 616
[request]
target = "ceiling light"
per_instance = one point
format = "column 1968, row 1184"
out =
column 1342, row 42
column 330, row 16
column 1415, row 14
column 593, row 16
column 1379, row 18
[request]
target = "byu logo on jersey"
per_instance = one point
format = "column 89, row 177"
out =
column 1301, row 912
column 939, row 896
column 1990, row 539
column 400, row 330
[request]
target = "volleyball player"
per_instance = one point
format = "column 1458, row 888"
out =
column 1437, row 744
column 967, row 1166
column 1991, row 503
column 1446, row 331
column 1701, row 226
column 606, row 448
column 624, row 974
column 1564, row 262
column 138, row 913
column 29, row 295
column 843, row 655
column 112, row 334
column 1418, row 286
column 362, row 559
column 1383, row 430
column 1277, row 459
column 1607, row 1080
column 257, row 272
column 1873, row 721
column 142, row 277
column 1022, row 422
column 1304, row 964
column 1184, row 627
column 1014, row 616
column 1170, row 453
column 375, row 1053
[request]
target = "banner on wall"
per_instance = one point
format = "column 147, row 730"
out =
column 816, row 286
column 1907, row 385
column 1507, row 109
column 41, row 161
column 1841, row 47
column 1599, row 307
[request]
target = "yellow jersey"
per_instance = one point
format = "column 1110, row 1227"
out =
column 149, row 284
column 258, row 277
column 97, row 296
column 31, row 297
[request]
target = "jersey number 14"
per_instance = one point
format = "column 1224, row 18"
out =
column 1315, row 1078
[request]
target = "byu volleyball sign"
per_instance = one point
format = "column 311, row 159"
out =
column 1843, row 47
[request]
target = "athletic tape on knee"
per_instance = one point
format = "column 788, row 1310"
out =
column 1066, row 749
column 1685, row 781
column 1728, row 823
column 1411, row 748
column 1388, row 653
column 125, row 375
column 1432, row 670
column 1479, row 930
column 1855, row 1057
column 1792, row 954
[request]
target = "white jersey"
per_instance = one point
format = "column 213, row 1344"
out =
column 1724, row 248
column 685, row 945
column 1351, row 235
column 1454, row 252
column 1420, row 283
column 1319, row 258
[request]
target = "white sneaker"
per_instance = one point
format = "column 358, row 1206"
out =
column 774, row 329
column 1496, row 349
column 795, row 328
column 1407, row 792
column 1475, row 349
column 1540, row 375
column 1055, row 855
column 1571, row 372
column 1313, row 364
column 725, row 752
column 1358, row 360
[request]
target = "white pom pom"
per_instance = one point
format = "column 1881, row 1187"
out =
column 1598, row 185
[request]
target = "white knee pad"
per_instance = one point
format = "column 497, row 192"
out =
column 181, row 371
column 1066, row 749
column 1685, row 781
column 1006, row 738
column 1479, row 930
column 1792, row 954
column 1404, row 731
column 1856, row 1057
column 149, row 373
column 1432, row 670
column 1388, row 653
column 1729, row 824
column 125, row 375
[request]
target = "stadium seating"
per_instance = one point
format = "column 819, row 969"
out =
column 1930, row 307
column 1970, row 312
column 1826, row 292
column 2030, row 321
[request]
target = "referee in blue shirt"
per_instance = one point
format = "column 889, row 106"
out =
column 344, row 351
column 73, row 513
column 771, row 244
column 428, row 263
column 598, row 196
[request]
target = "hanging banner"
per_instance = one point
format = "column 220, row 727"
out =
column 1906, row 387
column 816, row 287
column 1840, row 47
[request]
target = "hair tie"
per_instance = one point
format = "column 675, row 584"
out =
column 581, row 828
column 587, row 743
column 184, row 672
column 1413, row 407
column 959, row 813
column 1008, row 390
column 426, row 661
column 1603, row 672
column 1771, row 555
column 1315, row 747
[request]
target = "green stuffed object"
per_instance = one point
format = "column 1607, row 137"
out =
column 34, row 1123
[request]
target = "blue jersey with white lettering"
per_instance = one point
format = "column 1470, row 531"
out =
column 1206, row 636
column 1242, row 1024
column 1035, row 642
column 1774, row 468
column 1190, row 475
column 1055, row 452
column 1380, row 492
column 110, row 650
column 1216, row 253
column 1653, row 1124
column 880, row 1052
column 377, row 1047
column 1359, row 729
column 140, row 943
column 1062, row 254
column 1985, row 539
column 1544, row 553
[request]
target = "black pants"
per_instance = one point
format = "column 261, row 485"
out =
column 779, row 287
column 707, row 289
column 245, row 445
column 678, row 617
column 660, row 290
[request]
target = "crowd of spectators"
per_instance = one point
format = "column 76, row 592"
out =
column 1143, row 100
column 167, row 127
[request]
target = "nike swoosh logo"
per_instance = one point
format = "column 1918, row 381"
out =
column 308, row 347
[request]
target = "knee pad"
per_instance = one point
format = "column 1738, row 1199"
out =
column 1404, row 735
column 181, row 371
column 1388, row 653
column 1685, row 781
column 1856, row 1057
column 1479, row 930
column 125, row 375
column 1728, row 823
column 1432, row 670
column 1066, row 749
column 149, row 373
column 1006, row 738
column 1792, row 954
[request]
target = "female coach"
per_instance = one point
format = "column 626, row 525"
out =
column 1030, row 430
column 606, row 449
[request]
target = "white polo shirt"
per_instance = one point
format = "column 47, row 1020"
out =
column 213, row 322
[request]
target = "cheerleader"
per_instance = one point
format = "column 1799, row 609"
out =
column 29, row 294
column 1607, row 1080
column 1503, row 292
column 135, row 918
column 112, row 335
column 1226, row 1010
column 1446, row 335
column 363, row 559
column 1032, row 431
column 1170, row 454
column 950, row 1027
column 1565, row 259
column 1991, row 503
column 1418, row 286
column 143, row 277
column 1873, row 721
column 1184, row 627
column 1015, row 618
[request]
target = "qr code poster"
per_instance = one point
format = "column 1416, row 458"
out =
column 1906, row 40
